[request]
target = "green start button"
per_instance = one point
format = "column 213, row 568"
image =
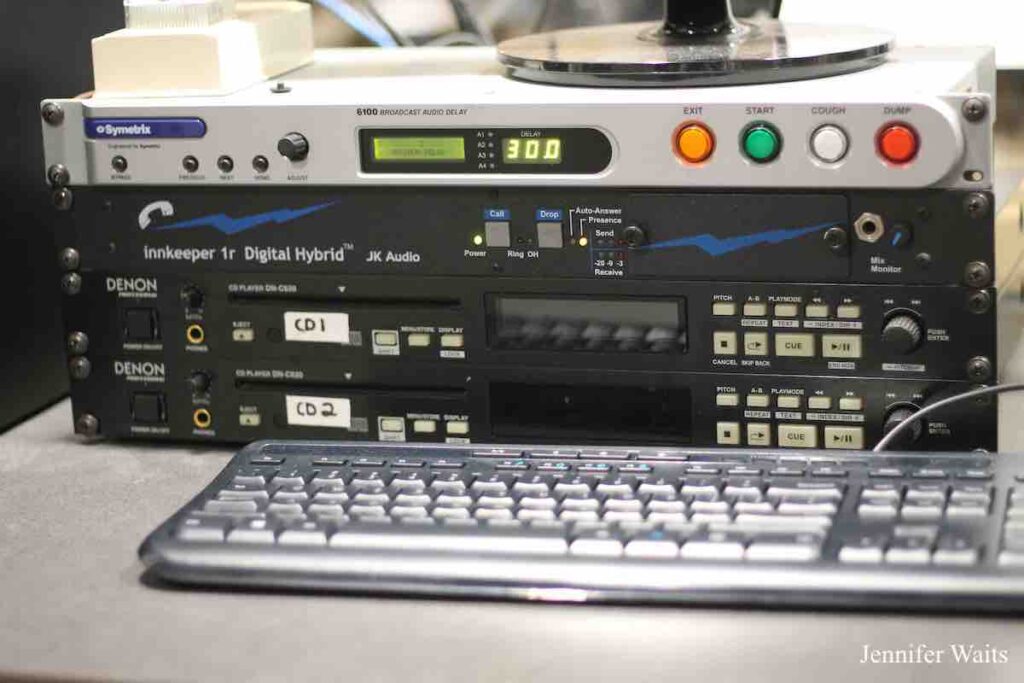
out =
column 762, row 143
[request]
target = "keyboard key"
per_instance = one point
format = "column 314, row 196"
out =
column 367, row 511
column 807, row 509
column 920, row 512
column 967, row 511
column 231, row 507
column 451, row 500
column 255, row 533
column 724, row 547
column 451, row 513
column 659, row 488
column 493, row 513
column 460, row 539
column 877, row 511
column 303, row 537
column 909, row 550
column 597, row 544
column 495, row 502
column 652, row 549
column 406, row 511
column 784, row 548
column 886, row 473
column 197, row 530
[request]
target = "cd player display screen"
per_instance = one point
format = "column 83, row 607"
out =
column 591, row 412
column 427, row 149
column 532, row 150
column 625, row 325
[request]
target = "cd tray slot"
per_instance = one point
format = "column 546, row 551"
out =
column 348, row 302
column 390, row 391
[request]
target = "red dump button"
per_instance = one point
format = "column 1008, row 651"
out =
column 898, row 143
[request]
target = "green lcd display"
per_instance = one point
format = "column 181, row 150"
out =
column 411, row 150
column 532, row 150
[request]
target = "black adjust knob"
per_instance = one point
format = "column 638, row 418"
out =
column 895, row 417
column 902, row 333
column 200, row 383
column 294, row 146
column 635, row 236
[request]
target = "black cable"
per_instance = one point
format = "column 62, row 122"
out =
column 928, row 410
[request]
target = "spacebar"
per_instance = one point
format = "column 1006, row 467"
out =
column 450, row 540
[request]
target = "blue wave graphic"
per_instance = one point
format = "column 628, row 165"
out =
column 232, row 226
column 716, row 246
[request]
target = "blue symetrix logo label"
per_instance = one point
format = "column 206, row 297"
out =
column 134, row 129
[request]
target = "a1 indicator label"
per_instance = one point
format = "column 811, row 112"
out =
column 323, row 328
column 317, row 411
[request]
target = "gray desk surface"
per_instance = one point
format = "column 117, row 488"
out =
column 72, row 605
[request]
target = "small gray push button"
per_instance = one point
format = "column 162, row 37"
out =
column 549, row 236
column 498, row 234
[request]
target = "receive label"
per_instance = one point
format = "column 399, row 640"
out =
column 324, row 328
column 317, row 411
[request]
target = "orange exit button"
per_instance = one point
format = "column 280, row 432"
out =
column 695, row 143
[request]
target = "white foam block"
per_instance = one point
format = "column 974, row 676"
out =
column 265, row 40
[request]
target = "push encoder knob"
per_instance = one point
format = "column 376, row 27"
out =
column 897, row 416
column 294, row 146
column 902, row 333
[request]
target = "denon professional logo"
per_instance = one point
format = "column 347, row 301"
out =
column 136, row 285
column 127, row 368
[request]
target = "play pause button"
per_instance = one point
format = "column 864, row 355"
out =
column 841, row 346
column 844, row 437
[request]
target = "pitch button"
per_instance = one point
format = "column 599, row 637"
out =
column 829, row 144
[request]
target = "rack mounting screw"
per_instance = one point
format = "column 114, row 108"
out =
column 53, row 114
column 975, row 109
column 63, row 199
column 80, row 367
column 976, row 205
column 78, row 343
column 71, row 284
column 978, row 274
column 70, row 259
column 87, row 425
column 979, row 368
column 979, row 302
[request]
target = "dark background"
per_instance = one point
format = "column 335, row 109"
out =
column 44, row 52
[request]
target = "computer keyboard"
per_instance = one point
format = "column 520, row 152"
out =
column 817, row 528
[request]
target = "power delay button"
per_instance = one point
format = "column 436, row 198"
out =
column 149, row 408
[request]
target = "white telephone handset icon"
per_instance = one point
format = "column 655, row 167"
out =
column 165, row 209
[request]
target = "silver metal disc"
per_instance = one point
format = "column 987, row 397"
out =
column 640, row 55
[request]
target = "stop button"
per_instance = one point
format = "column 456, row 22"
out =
column 898, row 143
